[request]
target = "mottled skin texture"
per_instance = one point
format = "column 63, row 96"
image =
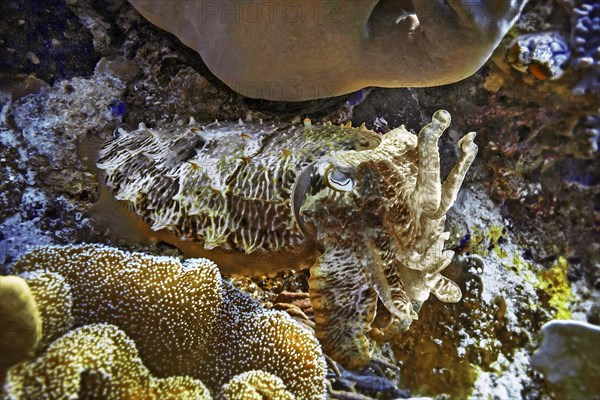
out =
column 222, row 191
column 371, row 208
column 385, row 243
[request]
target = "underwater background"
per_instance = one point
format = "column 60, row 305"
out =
column 525, row 227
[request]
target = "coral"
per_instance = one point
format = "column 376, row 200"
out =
column 569, row 358
column 585, row 39
column 431, row 362
column 175, row 302
column 545, row 55
column 53, row 296
column 96, row 361
column 448, row 354
column 249, row 337
column 255, row 385
column 294, row 51
column 183, row 319
column 20, row 321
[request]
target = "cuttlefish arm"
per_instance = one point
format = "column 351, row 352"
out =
column 398, row 306
column 344, row 303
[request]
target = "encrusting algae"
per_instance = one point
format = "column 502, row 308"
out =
column 553, row 282
column 187, row 324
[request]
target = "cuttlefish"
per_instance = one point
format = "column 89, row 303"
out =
column 365, row 212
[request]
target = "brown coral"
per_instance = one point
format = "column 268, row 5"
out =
column 53, row 295
column 183, row 318
column 298, row 50
column 255, row 385
column 250, row 337
column 158, row 302
column 96, row 361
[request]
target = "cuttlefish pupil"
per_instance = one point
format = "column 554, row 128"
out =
column 365, row 212
column 338, row 180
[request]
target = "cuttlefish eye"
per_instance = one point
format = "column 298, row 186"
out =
column 337, row 180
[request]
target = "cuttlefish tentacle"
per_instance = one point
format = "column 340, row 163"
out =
column 390, row 332
column 381, row 285
column 446, row 290
column 428, row 187
column 432, row 258
column 455, row 179
column 344, row 304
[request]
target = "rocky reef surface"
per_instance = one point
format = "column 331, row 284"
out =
column 525, row 226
